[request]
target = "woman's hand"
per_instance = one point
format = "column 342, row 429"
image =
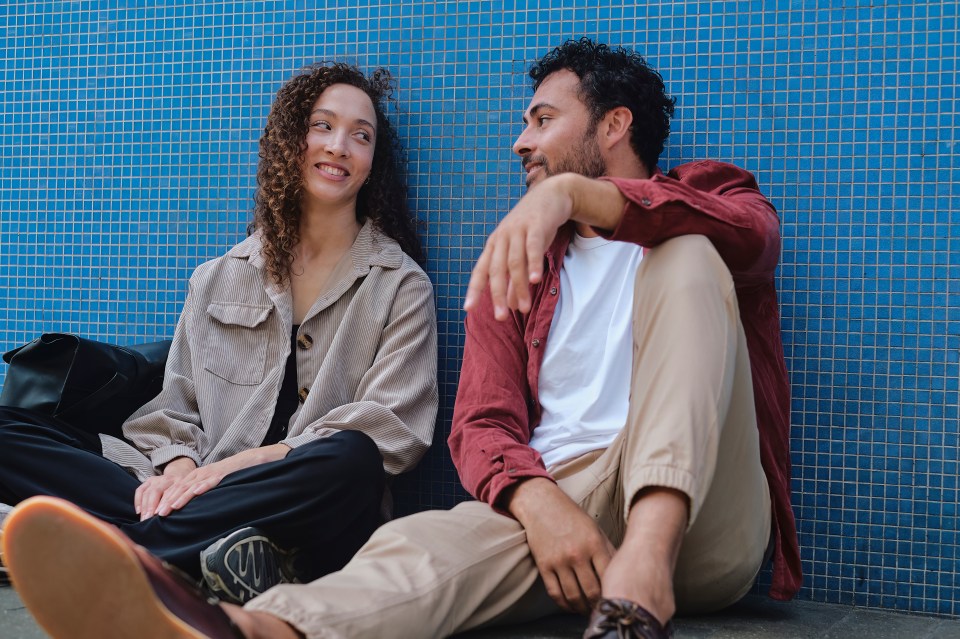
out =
column 151, row 492
column 177, row 493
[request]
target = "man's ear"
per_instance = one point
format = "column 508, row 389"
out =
column 615, row 126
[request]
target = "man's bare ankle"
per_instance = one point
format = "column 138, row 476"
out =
column 650, row 585
column 260, row 625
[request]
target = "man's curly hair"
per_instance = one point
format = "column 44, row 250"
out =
column 610, row 78
column 382, row 199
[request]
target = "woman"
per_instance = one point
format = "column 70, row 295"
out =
column 302, row 372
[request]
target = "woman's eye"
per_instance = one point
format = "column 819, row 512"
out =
column 320, row 124
column 363, row 135
column 542, row 119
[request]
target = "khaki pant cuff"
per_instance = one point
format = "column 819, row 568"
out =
column 662, row 477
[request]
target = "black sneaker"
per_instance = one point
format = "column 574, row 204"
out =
column 243, row 565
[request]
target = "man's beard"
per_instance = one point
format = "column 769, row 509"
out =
column 583, row 159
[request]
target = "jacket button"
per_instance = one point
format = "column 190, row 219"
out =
column 553, row 290
column 304, row 342
column 303, row 394
column 536, row 343
column 646, row 201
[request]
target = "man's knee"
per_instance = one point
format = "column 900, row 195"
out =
column 684, row 245
column 685, row 256
column 688, row 263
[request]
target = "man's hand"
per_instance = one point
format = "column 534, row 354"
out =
column 175, row 488
column 570, row 550
column 513, row 256
column 512, row 259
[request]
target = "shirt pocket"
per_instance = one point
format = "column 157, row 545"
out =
column 236, row 345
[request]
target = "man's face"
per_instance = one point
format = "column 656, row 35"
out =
column 558, row 136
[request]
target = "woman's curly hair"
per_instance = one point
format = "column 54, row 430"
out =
column 610, row 78
column 382, row 199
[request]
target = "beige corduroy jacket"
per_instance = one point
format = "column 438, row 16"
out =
column 366, row 360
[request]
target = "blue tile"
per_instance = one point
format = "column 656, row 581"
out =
column 128, row 154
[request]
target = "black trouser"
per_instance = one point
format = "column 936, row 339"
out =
column 323, row 498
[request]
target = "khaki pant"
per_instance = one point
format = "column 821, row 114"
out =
column 691, row 427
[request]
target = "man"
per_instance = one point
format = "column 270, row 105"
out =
column 621, row 416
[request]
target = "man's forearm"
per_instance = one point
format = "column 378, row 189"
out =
column 595, row 202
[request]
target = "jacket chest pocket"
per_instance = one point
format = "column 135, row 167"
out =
column 236, row 346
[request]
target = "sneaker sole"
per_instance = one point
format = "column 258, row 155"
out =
column 80, row 578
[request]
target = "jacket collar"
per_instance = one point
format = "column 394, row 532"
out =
column 371, row 248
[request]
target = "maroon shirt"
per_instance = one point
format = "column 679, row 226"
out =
column 497, row 404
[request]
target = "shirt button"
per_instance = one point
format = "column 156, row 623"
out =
column 646, row 201
column 536, row 343
column 304, row 342
column 553, row 290
column 303, row 394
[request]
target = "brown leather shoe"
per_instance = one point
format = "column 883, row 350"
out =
column 82, row 578
column 624, row 619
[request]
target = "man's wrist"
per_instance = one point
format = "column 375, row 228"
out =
column 523, row 497
column 597, row 203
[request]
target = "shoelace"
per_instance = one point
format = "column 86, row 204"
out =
column 628, row 619
column 621, row 614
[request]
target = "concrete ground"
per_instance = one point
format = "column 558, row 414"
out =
column 753, row 618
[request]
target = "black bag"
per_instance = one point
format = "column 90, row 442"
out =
column 91, row 385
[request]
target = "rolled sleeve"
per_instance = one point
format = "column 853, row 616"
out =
column 717, row 200
column 489, row 440
column 163, row 456
column 309, row 436
column 168, row 426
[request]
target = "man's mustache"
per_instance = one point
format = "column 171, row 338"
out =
column 536, row 159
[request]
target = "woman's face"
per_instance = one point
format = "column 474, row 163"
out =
column 340, row 143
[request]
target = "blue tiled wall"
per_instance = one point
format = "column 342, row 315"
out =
column 128, row 143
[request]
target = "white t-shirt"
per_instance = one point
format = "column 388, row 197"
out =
column 585, row 376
